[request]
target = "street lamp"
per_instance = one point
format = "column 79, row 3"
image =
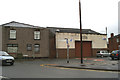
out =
column 80, row 31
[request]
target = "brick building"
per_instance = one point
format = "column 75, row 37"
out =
column 28, row 40
column 34, row 41
column 114, row 42
column 92, row 42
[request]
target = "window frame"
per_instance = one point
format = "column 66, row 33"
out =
column 36, row 47
column 12, row 35
column 117, row 40
column 29, row 47
column 12, row 46
column 37, row 35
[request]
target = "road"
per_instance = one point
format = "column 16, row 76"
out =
column 33, row 69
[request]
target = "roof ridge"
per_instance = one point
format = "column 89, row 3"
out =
column 66, row 28
column 75, row 30
column 18, row 23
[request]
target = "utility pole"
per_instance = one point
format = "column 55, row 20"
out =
column 80, row 32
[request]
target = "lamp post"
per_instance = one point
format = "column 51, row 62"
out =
column 80, row 32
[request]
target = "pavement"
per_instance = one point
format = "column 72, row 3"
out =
column 102, row 64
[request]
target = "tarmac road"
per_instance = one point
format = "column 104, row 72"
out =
column 33, row 69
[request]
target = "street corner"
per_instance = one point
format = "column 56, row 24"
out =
column 100, row 62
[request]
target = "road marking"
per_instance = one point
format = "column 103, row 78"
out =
column 42, row 65
column 89, row 70
column 51, row 64
column 45, row 65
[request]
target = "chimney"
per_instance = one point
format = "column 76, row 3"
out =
column 112, row 35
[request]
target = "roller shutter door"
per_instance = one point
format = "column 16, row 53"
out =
column 87, row 49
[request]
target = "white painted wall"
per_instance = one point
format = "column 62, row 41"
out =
column 0, row 38
column 97, row 40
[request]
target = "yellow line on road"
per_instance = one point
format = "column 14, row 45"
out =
column 88, row 70
column 45, row 65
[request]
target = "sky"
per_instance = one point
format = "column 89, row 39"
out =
column 95, row 14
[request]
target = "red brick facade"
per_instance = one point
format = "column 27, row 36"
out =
column 52, row 46
column 114, row 42
column 62, row 53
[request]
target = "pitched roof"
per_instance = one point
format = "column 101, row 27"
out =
column 73, row 30
column 18, row 24
column 117, row 35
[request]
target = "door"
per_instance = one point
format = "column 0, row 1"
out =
column 87, row 48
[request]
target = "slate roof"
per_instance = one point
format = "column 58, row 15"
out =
column 73, row 30
column 18, row 24
column 117, row 35
column 52, row 29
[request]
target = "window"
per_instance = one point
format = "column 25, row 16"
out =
column 12, row 48
column 36, row 35
column 29, row 47
column 12, row 34
column 37, row 48
column 117, row 40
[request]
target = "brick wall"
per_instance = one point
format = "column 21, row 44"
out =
column 113, row 44
column 0, row 38
column 26, row 36
column 62, row 53
column 52, row 45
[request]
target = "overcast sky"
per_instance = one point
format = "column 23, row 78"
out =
column 96, row 14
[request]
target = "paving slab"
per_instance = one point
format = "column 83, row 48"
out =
column 92, row 64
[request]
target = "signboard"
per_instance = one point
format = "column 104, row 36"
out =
column 104, row 38
column 67, row 41
column 71, row 40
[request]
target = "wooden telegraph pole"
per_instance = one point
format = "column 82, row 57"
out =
column 80, row 32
